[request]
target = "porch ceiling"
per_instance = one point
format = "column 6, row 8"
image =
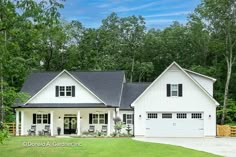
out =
column 62, row 105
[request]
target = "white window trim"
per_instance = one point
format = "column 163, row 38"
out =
column 129, row 119
column 177, row 90
column 152, row 115
column 98, row 118
column 41, row 118
column 65, row 91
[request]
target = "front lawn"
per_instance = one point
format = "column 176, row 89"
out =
column 93, row 147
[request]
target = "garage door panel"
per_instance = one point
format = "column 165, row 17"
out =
column 175, row 127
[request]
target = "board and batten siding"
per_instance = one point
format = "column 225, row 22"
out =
column 48, row 95
column 207, row 84
column 193, row 100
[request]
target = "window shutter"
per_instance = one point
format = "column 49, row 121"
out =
column 90, row 118
column 34, row 118
column 57, row 91
column 73, row 91
column 180, row 90
column 49, row 119
column 168, row 90
column 124, row 118
column 106, row 118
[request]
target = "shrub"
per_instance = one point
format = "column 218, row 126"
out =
column 3, row 132
column 118, row 126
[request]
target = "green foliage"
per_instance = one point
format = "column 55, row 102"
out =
column 3, row 132
column 33, row 37
column 118, row 126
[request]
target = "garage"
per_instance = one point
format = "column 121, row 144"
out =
column 179, row 124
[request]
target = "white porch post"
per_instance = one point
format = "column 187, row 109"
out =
column 22, row 122
column 51, row 125
column 109, row 123
column 114, row 116
column 117, row 112
column 78, row 123
column 17, row 123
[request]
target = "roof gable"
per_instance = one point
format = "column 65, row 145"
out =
column 170, row 67
column 106, row 86
column 58, row 76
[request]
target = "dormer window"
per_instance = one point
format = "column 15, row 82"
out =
column 174, row 90
column 65, row 91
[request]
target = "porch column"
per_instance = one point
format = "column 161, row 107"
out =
column 22, row 122
column 17, row 123
column 114, row 116
column 109, row 123
column 51, row 125
column 78, row 123
column 117, row 112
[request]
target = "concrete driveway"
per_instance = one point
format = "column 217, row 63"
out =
column 221, row 146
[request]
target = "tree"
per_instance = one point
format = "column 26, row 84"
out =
column 221, row 18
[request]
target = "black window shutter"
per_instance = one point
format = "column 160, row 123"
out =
column 34, row 118
column 168, row 90
column 49, row 119
column 106, row 118
column 57, row 91
column 73, row 91
column 124, row 118
column 180, row 90
column 90, row 118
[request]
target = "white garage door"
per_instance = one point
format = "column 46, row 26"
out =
column 174, row 124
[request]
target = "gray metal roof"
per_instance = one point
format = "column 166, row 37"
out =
column 62, row 105
column 106, row 85
column 130, row 92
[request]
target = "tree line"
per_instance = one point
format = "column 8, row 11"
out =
column 34, row 37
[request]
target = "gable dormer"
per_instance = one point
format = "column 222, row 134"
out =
column 64, row 89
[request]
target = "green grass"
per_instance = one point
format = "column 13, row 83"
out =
column 94, row 147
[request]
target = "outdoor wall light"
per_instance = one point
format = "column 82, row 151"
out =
column 209, row 116
column 140, row 116
column 59, row 117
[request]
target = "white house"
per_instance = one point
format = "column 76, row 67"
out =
column 179, row 103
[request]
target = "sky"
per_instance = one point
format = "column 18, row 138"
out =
column 157, row 13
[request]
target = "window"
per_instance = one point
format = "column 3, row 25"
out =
column 166, row 115
column 45, row 118
column 95, row 119
column 196, row 115
column 101, row 119
column 152, row 115
column 39, row 118
column 174, row 89
column 129, row 119
column 68, row 91
column 62, row 90
column 181, row 115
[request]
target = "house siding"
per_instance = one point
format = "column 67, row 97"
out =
column 82, row 95
column 193, row 100
column 207, row 84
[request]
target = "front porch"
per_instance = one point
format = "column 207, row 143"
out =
column 73, row 121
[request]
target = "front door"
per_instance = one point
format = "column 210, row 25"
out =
column 70, row 125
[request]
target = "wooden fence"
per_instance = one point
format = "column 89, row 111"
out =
column 12, row 128
column 226, row 130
